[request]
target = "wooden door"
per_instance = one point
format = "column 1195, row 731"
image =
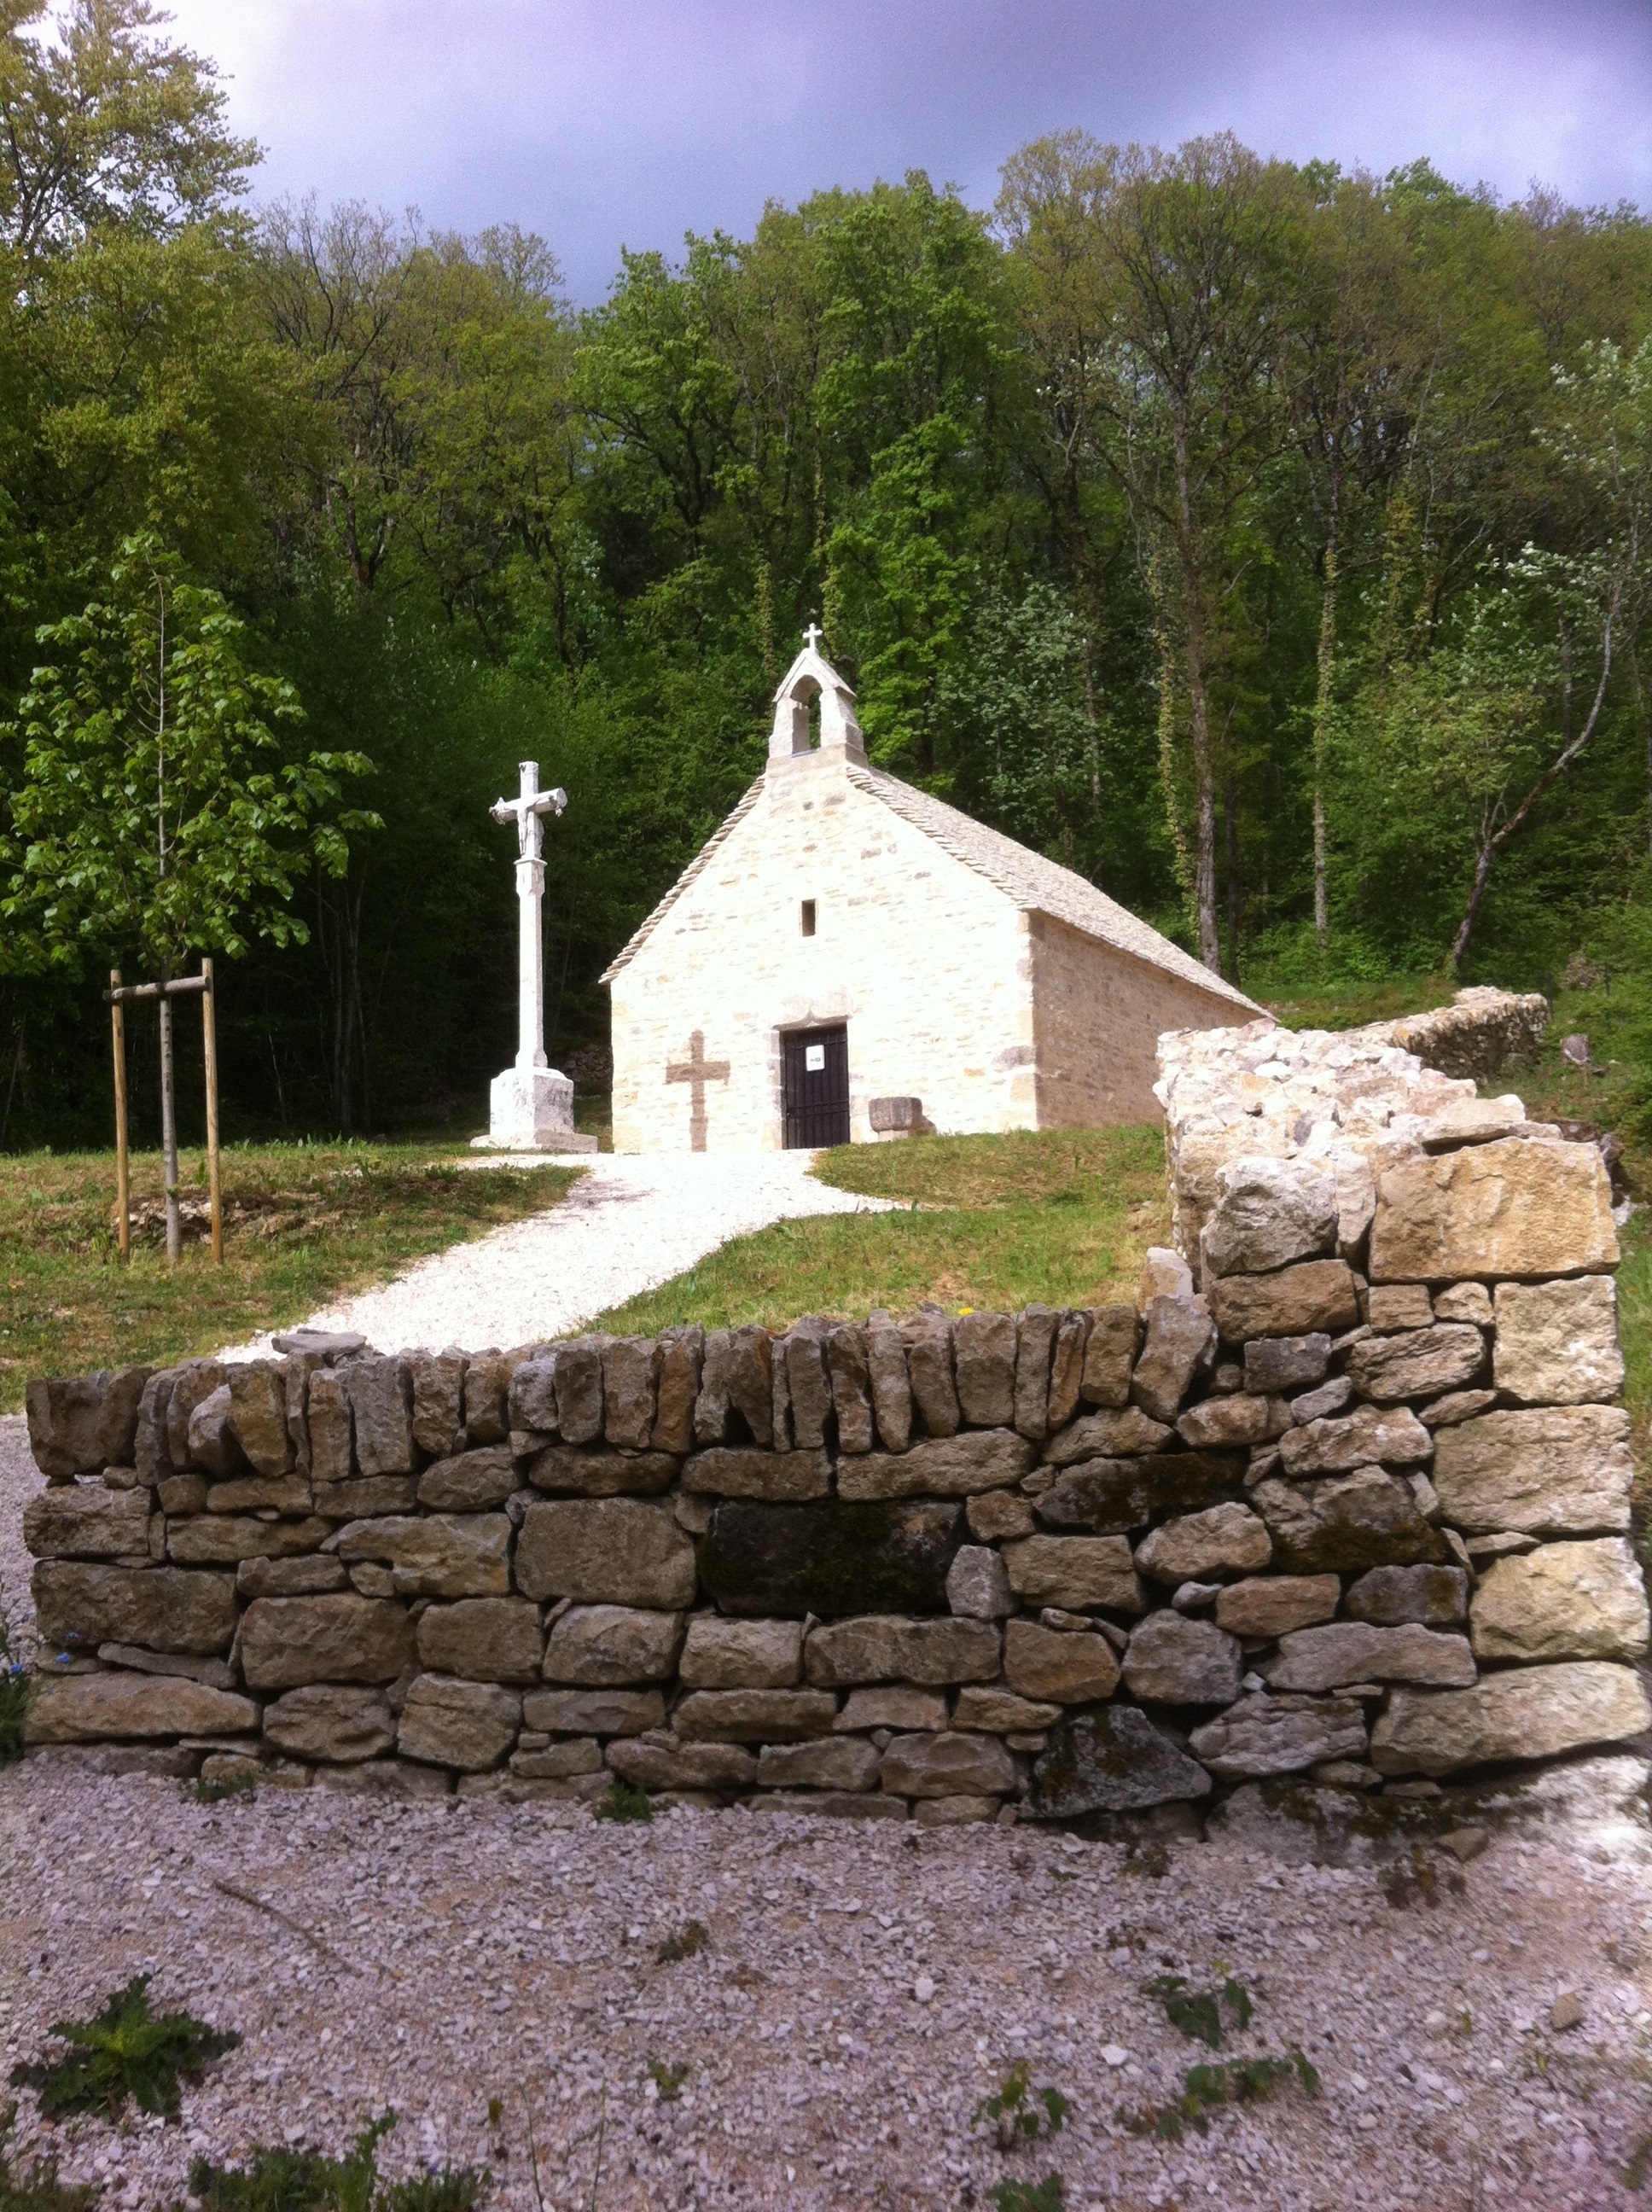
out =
column 817, row 1084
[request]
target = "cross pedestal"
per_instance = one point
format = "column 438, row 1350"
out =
column 530, row 1105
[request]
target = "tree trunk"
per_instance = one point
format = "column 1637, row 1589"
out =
column 1321, row 720
column 169, row 1127
column 1210, row 942
column 1234, row 888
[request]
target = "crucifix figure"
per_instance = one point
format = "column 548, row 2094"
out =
column 696, row 1071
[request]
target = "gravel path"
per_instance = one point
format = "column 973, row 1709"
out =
column 630, row 1223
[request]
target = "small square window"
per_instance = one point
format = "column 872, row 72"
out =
column 808, row 917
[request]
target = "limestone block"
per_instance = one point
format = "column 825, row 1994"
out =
column 1356, row 1182
column 1277, row 1365
column 741, row 1655
column 1035, row 1349
column 571, row 1471
column 1112, row 1760
column 1058, row 1666
column 928, row 1339
column 884, row 1648
column 1464, row 1302
column 1222, row 1540
column 472, row 1482
column 1563, row 1601
column 1524, row 1712
column 194, row 1380
column 161, row 1608
column 754, row 1717
column 1262, row 1735
column 1240, row 1419
column 1122, row 1433
column 616, row 1551
column 1109, row 1495
column 579, row 1390
column 438, row 1402
column 1308, row 1298
column 258, row 1414
column 1457, row 1405
column 212, row 1443
column 531, row 1396
column 488, row 1639
column 1110, row 1351
column 1333, row 1397
column 681, row 1352
column 468, row 1725
column 948, row 1765
column 726, row 1471
column 1344, row 1652
column 330, row 1721
column 939, row 1467
column 381, row 1393
column 1268, row 1213
column 86, row 1521
column 1559, row 1471
column 255, row 1493
column 891, row 1385
column 628, row 1385
column 487, row 1386
column 1001, row 1712
column 750, row 1381
column 150, row 1455
column 594, row 1712
column 223, row 1539
column 1390, row 1307
column 1557, row 1343
column 375, row 1497
column 1512, row 1208
column 1164, row 1274
column 81, row 1424
column 288, row 1641
column 831, row 1558
column 307, row 1576
column 851, row 1381
column 1424, row 1363
column 182, row 1493
column 1272, row 1605
column 984, row 1351
column 97, row 1708
column 1067, row 1369
column 436, row 1554
column 1175, row 1660
column 809, row 1384
column 977, row 1585
column 1366, row 1519
column 1436, row 1597
column 841, row 1762
column 1392, row 1436
column 557, row 1762
column 330, row 1430
column 685, row 1766
column 397, row 1779
column 611, row 1646
column 1075, row 1571
column 1179, row 1343
column 998, row 1514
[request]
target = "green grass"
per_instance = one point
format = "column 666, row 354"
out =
column 283, row 2180
column 1057, row 1217
column 303, row 1224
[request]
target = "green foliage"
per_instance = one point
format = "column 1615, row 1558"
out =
column 625, row 1800
column 683, row 1942
column 16, row 1689
column 1207, row 2087
column 1045, row 2195
column 1197, row 2012
column 37, row 2189
column 124, row 2051
column 1021, row 2113
column 668, row 2080
column 283, row 2180
column 241, row 1782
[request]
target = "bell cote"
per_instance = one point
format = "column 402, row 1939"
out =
column 812, row 675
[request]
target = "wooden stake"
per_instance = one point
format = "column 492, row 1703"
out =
column 209, row 1040
column 123, row 1173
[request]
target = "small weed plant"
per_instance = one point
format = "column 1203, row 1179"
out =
column 1207, row 2087
column 1150, row 1858
column 683, row 1942
column 1636, row 2167
column 37, row 2188
column 1045, row 2195
column 668, row 2080
column 625, row 1801
column 124, row 2051
column 282, row 2180
column 1197, row 2013
column 1418, row 1882
column 1020, row 2114
column 215, row 1789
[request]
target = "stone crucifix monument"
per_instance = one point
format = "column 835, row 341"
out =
column 530, row 1105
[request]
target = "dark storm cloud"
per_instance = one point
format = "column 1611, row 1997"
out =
column 601, row 123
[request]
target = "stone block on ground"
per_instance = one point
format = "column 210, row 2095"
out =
column 1175, row 1660
column 468, row 1725
column 1525, row 1712
column 617, row 1551
column 608, row 1646
column 1576, row 1601
column 332, row 1722
column 1545, row 1471
column 93, row 1708
column 488, row 1639
column 287, row 1643
column 1112, row 1759
column 1557, row 1343
column 884, row 1648
column 1513, row 1208
column 950, row 1765
column 1262, row 1734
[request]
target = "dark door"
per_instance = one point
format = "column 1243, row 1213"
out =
column 816, row 1088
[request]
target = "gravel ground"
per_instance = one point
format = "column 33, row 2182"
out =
column 630, row 1223
column 863, row 1986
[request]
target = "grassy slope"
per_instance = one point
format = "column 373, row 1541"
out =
column 304, row 1224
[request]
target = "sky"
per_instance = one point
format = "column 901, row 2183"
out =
column 605, row 123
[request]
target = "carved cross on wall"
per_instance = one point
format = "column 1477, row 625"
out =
column 696, row 1071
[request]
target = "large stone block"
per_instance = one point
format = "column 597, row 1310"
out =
column 832, row 1558
column 97, row 1708
column 1075, row 1571
column 1065, row 1667
column 939, row 1467
column 1262, row 1735
column 381, row 1393
column 1563, row 1601
column 928, row 1339
column 899, row 1705
column 1179, row 1343
column 1526, row 1712
column 255, row 1493
column 330, row 1721
column 307, row 1576
column 438, row 1402
column 85, row 1521
column 1310, row 1298
column 371, row 1497
column 258, row 1413
column 287, row 1642
column 607, row 1646
column 754, row 1717
column 1121, row 1432
column 681, row 1353
column 843, row 1762
column 1437, row 1597
column 882, row 1647
column 984, row 1351
column 682, row 1766
column 950, row 1765
column 224, row 1540
column 1548, row 1471
column 468, row 1725
column 737, row 1472
column 890, row 1385
column 191, row 1383
column 1268, row 1213
column 329, row 1427
column 1223, row 1540
column 571, row 1471
column 1344, row 1652
column 737, row 1379
column 1391, row 1436
column 488, row 1639
column 472, row 1482
column 1034, row 1350
column 1424, row 1363
column 628, row 1369
column 1512, row 1208
column 81, row 1424
column 996, row 1711
column 531, row 1396
column 851, row 1381
column 741, row 1655
column 1108, row 1497
column 977, row 1585
column 997, row 1514
column 1280, row 1364
column 435, row 1554
column 1557, row 1343
column 579, row 1390
column 161, row 1608
column 1112, row 1760
column 1110, row 1351
column 1233, row 1422
column 1175, row 1660
column 487, row 1387
column 150, row 1455
column 1343, row 1526
column 1067, row 1368
column 1272, row 1605
column 613, row 1551
column 594, row 1712
column 807, row 1383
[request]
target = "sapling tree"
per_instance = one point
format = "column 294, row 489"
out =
column 162, row 808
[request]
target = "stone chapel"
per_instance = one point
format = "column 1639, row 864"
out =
column 846, row 945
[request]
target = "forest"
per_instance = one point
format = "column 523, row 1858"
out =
column 1271, row 544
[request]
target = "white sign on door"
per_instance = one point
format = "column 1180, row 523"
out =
column 814, row 1058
